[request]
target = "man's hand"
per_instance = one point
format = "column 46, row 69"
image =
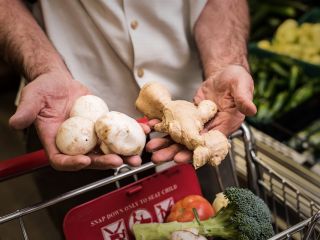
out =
column 164, row 149
column 232, row 90
column 221, row 35
column 47, row 101
column 51, row 91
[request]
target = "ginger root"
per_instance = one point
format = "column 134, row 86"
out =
column 183, row 121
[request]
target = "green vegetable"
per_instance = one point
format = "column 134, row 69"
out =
column 279, row 102
column 270, row 89
column 281, row 85
column 263, row 114
column 262, row 83
column 294, row 73
column 279, row 69
column 300, row 95
column 246, row 217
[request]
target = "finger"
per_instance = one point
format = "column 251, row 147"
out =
column 133, row 161
column 153, row 122
column 69, row 163
column 145, row 128
column 183, row 156
column 157, row 143
column 166, row 154
column 28, row 109
column 243, row 95
column 104, row 162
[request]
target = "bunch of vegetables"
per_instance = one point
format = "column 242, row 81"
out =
column 308, row 141
column 280, row 86
column 267, row 15
column 297, row 41
column 246, row 217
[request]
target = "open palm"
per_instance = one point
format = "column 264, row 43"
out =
column 232, row 90
column 46, row 102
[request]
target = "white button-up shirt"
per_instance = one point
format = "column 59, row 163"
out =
column 116, row 46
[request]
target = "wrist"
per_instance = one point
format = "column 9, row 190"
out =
column 215, row 67
column 233, row 69
column 43, row 65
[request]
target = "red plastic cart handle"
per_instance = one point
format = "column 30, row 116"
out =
column 29, row 162
column 22, row 164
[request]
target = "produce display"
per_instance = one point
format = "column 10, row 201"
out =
column 284, row 56
column 280, row 86
column 307, row 141
column 91, row 124
column 297, row 41
column 183, row 121
column 267, row 15
column 246, row 217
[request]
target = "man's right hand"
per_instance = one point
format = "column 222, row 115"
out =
column 46, row 102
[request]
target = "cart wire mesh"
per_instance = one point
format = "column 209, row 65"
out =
column 295, row 214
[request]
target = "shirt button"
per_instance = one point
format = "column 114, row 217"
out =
column 140, row 72
column 134, row 24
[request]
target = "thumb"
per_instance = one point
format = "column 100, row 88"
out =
column 28, row 109
column 243, row 95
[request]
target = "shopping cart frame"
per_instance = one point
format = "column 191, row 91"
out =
column 261, row 179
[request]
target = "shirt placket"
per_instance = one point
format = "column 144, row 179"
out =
column 135, row 28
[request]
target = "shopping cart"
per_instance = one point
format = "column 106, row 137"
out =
column 295, row 214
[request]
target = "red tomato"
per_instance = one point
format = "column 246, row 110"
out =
column 182, row 211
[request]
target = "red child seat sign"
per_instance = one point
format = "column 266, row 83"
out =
column 111, row 216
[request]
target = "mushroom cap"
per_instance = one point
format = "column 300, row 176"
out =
column 90, row 107
column 122, row 134
column 76, row 136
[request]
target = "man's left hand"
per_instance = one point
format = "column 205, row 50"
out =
column 232, row 90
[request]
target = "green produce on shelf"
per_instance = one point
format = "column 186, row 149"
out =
column 297, row 41
column 308, row 140
column 267, row 15
column 280, row 86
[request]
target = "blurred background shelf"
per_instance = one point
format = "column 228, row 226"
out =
column 284, row 36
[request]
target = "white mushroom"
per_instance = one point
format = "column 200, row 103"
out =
column 76, row 136
column 121, row 134
column 105, row 149
column 90, row 107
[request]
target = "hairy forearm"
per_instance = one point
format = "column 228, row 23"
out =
column 221, row 34
column 24, row 44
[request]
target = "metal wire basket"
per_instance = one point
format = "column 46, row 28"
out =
column 295, row 214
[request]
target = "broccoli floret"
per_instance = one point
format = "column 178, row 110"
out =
column 246, row 217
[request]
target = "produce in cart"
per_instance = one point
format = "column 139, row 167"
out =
column 184, row 121
column 182, row 211
column 190, row 234
column 220, row 202
column 246, row 217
